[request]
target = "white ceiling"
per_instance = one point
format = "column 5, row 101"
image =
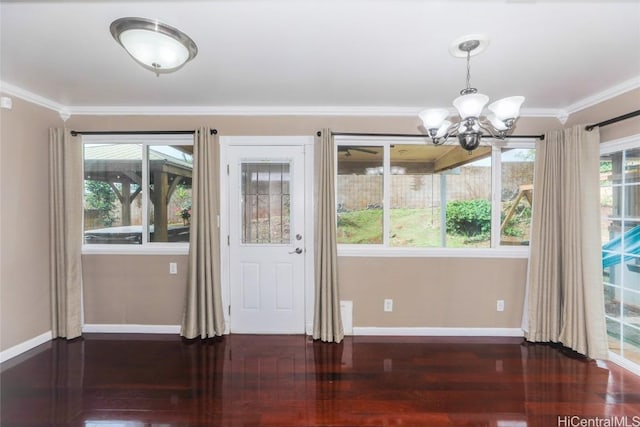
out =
column 324, row 55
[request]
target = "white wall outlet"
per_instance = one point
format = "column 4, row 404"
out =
column 388, row 305
column 500, row 305
column 173, row 268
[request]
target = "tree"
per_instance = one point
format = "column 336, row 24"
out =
column 101, row 197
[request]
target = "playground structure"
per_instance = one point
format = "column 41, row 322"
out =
column 612, row 249
column 524, row 191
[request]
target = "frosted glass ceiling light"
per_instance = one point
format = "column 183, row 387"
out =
column 156, row 46
column 469, row 105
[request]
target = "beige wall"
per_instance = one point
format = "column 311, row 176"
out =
column 614, row 107
column 137, row 289
column 125, row 289
column 427, row 292
column 434, row 292
column 24, row 223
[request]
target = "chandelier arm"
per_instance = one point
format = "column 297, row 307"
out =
column 452, row 130
column 441, row 140
column 495, row 133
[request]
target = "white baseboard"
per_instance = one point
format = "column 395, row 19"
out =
column 131, row 329
column 25, row 346
column 438, row 332
column 626, row 364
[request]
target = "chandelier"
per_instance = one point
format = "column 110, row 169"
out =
column 156, row 46
column 470, row 124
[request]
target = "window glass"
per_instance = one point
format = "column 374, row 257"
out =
column 112, row 199
column 516, row 195
column 266, row 210
column 117, row 207
column 632, row 183
column 359, row 199
column 414, row 198
column 425, row 196
column 170, row 170
column 426, row 178
column 465, row 181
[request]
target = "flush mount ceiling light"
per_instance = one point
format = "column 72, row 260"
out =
column 470, row 123
column 156, row 46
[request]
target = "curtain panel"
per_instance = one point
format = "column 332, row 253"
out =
column 65, row 236
column 565, row 298
column 327, row 322
column 203, row 314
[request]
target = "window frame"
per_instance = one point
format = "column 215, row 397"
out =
column 384, row 250
column 146, row 247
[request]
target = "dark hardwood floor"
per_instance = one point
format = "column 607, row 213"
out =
column 246, row 380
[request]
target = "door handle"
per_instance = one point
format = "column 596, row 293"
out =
column 297, row 251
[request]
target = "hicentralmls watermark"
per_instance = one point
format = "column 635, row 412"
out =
column 613, row 421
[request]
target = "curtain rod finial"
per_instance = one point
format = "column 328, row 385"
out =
column 319, row 133
column 214, row 131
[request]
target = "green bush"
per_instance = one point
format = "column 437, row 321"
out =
column 469, row 217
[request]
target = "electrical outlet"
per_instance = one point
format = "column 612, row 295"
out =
column 500, row 305
column 388, row 305
column 173, row 268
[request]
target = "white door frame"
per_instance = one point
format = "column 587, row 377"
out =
column 307, row 142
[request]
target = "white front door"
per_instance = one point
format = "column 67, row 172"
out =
column 267, row 239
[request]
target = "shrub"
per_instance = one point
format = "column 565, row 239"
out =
column 469, row 217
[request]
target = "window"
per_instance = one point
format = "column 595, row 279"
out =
column 137, row 191
column 620, row 213
column 516, row 195
column 411, row 194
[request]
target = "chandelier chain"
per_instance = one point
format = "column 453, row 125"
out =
column 468, row 69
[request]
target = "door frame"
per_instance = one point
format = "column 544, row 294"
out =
column 307, row 143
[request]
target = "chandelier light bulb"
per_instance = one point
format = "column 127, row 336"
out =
column 433, row 117
column 507, row 108
column 442, row 130
column 470, row 105
column 497, row 123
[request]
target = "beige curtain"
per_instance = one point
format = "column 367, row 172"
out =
column 565, row 301
column 65, row 236
column 327, row 323
column 203, row 315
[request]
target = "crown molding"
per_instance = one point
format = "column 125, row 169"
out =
column 66, row 111
column 274, row 111
column 605, row 95
column 31, row 97
column 246, row 111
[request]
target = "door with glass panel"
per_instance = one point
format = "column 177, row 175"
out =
column 266, row 239
column 620, row 212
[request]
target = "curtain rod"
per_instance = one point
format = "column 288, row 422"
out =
column 613, row 120
column 137, row 132
column 412, row 135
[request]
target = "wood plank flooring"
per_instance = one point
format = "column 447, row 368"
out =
column 247, row 380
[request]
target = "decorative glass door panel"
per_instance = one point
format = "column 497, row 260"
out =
column 265, row 203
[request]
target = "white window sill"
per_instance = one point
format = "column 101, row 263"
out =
column 378, row 251
column 148, row 249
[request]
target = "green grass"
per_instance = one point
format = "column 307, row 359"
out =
column 360, row 227
column 409, row 228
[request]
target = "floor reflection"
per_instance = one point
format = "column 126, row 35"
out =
column 244, row 380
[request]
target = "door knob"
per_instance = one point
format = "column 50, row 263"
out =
column 297, row 251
